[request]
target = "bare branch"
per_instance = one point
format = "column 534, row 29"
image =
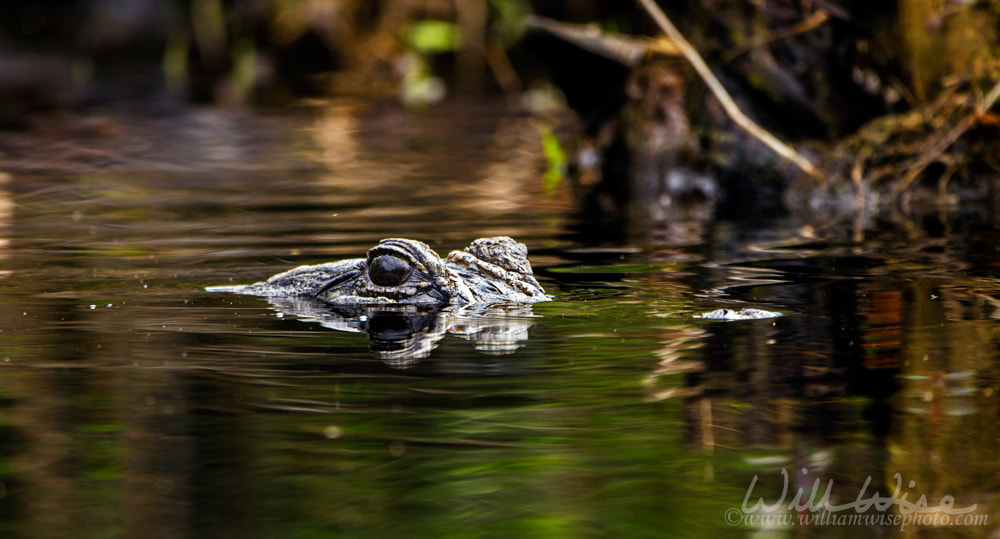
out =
column 950, row 138
column 801, row 27
column 722, row 95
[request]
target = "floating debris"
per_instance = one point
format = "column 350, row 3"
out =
column 742, row 314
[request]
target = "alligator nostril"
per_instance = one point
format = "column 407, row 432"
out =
column 388, row 270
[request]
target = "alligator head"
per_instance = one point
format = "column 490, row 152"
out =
column 401, row 271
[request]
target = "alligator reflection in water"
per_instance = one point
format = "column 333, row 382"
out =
column 401, row 335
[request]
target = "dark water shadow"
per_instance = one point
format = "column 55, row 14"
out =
column 401, row 335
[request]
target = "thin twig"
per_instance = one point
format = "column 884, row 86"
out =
column 934, row 153
column 625, row 49
column 990, row 99
column 800, row 27
column 720, row 93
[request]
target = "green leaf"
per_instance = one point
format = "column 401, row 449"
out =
column 432, row 36
column 556, row 159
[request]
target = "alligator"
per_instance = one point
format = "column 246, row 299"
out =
column 397, row 271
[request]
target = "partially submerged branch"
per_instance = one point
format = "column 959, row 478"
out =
column 950, row 138
column 730, row 106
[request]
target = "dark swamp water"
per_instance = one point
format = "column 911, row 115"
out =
column 133, row 403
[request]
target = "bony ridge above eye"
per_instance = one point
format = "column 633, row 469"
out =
column 389, row 270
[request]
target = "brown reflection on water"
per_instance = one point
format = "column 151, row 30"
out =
column 495, row 175
column 912, row 392
column 43, row 460
column 945, row 436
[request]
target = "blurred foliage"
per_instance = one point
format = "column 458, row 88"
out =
column 219, row 50
column 424, row 39
column 556, row 158
column 822, row 81
column 431, row 36
column 941, row 40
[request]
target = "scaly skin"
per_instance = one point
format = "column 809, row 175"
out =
column 400, row 271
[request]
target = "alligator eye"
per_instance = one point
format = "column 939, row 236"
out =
column 388, row 270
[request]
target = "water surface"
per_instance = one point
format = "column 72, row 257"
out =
column 134, row 403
